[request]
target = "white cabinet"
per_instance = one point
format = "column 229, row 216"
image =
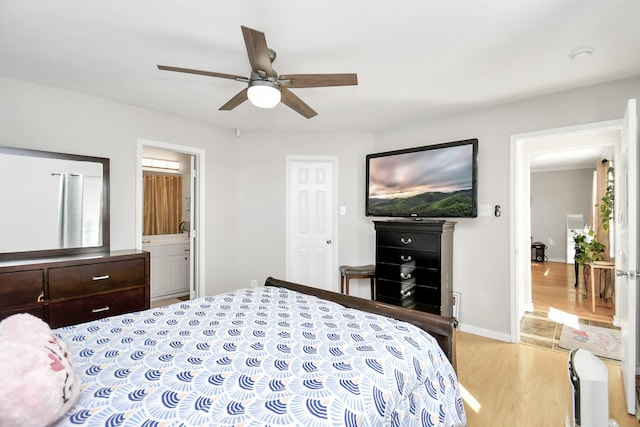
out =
column 169, row 269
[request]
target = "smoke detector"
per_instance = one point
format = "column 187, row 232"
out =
column 581, row 54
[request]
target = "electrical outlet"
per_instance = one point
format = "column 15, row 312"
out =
column 254, row 283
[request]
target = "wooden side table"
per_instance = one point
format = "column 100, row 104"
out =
column 599, row 265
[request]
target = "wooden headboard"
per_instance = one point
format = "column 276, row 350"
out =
column 440, row 327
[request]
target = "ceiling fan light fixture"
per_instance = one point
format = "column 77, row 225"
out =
column 263, row 93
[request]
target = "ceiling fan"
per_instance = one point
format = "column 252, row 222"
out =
column 265, row 87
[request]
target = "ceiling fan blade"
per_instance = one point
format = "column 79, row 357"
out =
column 203, row 73
column 296, row 104
column 257, row 50
column 235, row 101
column 320, row 80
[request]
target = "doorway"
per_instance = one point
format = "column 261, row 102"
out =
column 311, row 221
column 562, row 205
column 524, row 146
column 187, row 265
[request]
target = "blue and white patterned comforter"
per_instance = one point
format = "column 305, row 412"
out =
column 256, row 357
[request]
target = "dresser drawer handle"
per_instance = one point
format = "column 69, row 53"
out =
column 405, row 276
column 405, row 241
column 104, row 277
column 101, row 309
column 405, row 258
column 406, row 293
column 40, row 297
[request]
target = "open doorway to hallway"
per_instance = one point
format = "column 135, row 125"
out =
column 550, row 150
column 562, row 206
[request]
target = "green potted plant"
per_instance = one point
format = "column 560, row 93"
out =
column 588, row 248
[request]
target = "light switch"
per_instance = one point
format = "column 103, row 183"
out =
column 343, row 210
column 484, row 210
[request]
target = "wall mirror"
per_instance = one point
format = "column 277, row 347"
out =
column 52, row 204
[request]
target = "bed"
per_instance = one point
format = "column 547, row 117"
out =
column 282, row 354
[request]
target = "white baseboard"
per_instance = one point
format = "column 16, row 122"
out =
column 616, row 321
column 527, row 308
column 487, row 333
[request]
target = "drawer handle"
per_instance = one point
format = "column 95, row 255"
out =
column 405, row 258
column 101, row 309
column 406, row 293
column 103, row 277
column 405, row 241
column 405, row 276
column 40, row 297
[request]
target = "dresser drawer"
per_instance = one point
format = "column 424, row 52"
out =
column 418, row 241
column 394, row 290
column 21, row 288
column 408, row 273
column 36, row 310
column 404, row 256
column 81, row 310
column 65, row 282
column 408, row 295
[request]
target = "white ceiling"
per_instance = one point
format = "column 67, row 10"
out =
column 584, row 158
column 582, row 150
column 415, row 59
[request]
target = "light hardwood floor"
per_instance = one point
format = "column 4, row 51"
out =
column 552, row 285
column 522, row 385
column 166, row 301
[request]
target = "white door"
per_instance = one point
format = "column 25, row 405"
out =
column 310, row 222
column 626, row 258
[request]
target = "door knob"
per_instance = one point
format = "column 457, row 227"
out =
column 631, row 275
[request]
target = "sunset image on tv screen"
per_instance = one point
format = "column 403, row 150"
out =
column 428, row 183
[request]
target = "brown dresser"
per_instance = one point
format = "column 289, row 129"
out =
column 68, row 290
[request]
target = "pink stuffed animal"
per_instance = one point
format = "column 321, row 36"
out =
column 37, row 381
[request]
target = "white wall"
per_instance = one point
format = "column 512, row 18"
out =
column 44, row 118
column 481, row 245
column 261, row 201
column 554, row 195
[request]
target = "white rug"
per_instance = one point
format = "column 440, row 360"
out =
column 601, row 342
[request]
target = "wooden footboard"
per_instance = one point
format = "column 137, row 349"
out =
column 441, row 328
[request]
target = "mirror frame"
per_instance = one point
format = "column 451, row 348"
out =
column 105, row 226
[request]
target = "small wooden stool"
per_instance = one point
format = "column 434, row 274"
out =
column 598, row 265
column 348, row 272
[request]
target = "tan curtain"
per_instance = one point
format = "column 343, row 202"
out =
column 162, row 204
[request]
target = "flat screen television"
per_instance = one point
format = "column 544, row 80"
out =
column 433, row 181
